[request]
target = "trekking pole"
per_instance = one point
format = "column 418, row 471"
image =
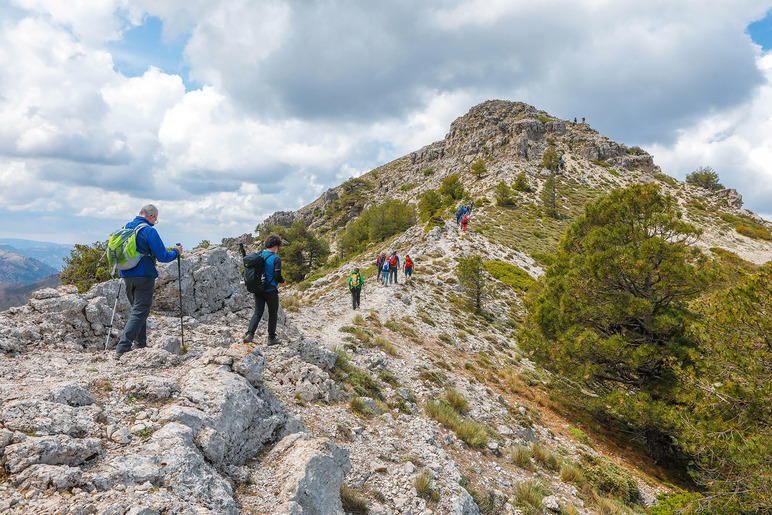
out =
column 112, row 318
column 179, row 280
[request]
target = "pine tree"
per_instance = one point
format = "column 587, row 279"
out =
column 86, row 266
column 470, row 272
column 729, row 428
column 549, row 196
column 611, row 310
column 304, row 252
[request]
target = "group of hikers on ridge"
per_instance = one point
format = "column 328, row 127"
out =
column 462, row 215
column 137, row 269
column 387, row 269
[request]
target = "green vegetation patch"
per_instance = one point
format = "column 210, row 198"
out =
column 509, row 274
column 609, row 478
column 364, row 385
column 747, row 226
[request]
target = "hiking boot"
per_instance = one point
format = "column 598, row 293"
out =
column 272, row 340
column 248, row 338
column 118, row 355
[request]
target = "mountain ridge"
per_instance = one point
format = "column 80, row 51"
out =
column 413, row 404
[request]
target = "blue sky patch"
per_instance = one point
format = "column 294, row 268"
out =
column 144, row 45
column 761, row 32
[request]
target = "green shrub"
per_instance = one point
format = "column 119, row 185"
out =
column 429, row 205
column 756, row 234
column 86, row 266
column 478, row 168
column 473, row 433
column 544, row 119
column 608, row 477
column 637, row 151
column 678, row 504
column 352, row 501
column 551, row 159
column 443, row 413
column 581, row 436
column 704, row 177
column 504, row 195
column 747, row 226
column 521, row 457
column 545, row 457
column 423, row 485
column 364, row 385
column 509, row 274
column 407, row 187
column 452, row 189
column 529, row 495
column 359, row 407
column 570, row 473
column 457, row 401
column 521, row 183
column 428, row 172
column 387, row 376
column 670, row 181
column 376, row 223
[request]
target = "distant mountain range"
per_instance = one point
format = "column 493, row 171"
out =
column 26, row 266
column 51, row 254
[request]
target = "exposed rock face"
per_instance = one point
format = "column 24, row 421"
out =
column 156, row 431
column 733, row 199
column 309, row 472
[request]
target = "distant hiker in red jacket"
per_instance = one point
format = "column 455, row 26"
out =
column 464, row 221
column 408, row 266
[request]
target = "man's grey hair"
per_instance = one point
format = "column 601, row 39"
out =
column 148, row 210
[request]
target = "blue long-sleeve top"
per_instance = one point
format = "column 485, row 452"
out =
column 148, row 242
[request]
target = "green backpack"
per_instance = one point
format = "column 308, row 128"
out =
column 122, row 248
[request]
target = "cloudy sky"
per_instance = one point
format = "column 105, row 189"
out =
column 223, row 112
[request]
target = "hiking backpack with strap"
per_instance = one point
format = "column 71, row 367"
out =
column 355, row 281
column 393, row 261
column 408, row 263
column 254, row 273
column 122, row 250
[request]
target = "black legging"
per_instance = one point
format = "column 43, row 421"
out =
column 270, row 298
column 355, row 292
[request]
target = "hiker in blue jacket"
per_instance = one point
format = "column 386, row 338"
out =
column 140, row 280
column 269, row 297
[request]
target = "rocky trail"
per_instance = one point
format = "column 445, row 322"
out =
column 217, row 426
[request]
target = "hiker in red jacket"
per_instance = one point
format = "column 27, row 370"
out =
column 464, row 221
column 408, row 267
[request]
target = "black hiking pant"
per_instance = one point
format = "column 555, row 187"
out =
column 139, row 291
column 270, row 299
column 355, row 293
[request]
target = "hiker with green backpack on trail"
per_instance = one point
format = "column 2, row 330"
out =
column 133, row 251
column 356, row 284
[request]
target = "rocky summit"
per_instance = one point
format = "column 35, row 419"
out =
column 343, row 416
